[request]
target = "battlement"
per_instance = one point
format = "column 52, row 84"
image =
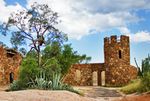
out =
column 114, row 39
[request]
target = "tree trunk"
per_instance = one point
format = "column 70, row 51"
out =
column 39, row 56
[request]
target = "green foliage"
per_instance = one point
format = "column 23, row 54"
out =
column 41, row 82
column 65, row 56
column 35, row 27
column 58, row 85
column 48, row 77
column 28, row 71
column 16, row 85
column 145, row 82
column 146, row 65
column 32, row 54
column 132, row 87
column 56, row 81
column 68, row 57
column 54, row 61
column 23, row 51
column 17, row 39
column 139, row 85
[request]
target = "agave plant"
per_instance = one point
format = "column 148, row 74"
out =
column 41, row 82
column 56, row 80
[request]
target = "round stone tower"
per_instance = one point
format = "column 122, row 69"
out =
column 117, row 60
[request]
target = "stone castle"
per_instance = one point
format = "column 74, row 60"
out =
column 115, row 71
column 10, row 61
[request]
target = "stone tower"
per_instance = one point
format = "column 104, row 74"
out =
column 117, row 60
column 115, row 71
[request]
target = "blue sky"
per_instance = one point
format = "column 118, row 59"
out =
column 87, row 22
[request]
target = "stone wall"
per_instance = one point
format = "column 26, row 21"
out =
column 118, row 70
column 82, row 74
column 119, row 75
column 10, row 61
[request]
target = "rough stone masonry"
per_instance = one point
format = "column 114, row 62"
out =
column 115, row 71
column 10, row 61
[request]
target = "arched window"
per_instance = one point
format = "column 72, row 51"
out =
column 120, row 54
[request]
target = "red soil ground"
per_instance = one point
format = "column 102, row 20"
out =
column 144, row 97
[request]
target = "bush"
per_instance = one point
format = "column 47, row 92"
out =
column 139, row 85
column 145, row 83
column 132, row 87
column 47, row 77
column 16, row 85
column 28, row 71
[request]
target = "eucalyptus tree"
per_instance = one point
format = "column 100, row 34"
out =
column 35, row 27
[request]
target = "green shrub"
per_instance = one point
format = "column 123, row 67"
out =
column 28, row 71
column 47, row 77
column 145, row 82
column 132, row 87
column 140, row 85
column 146, row 65
column 16, row 85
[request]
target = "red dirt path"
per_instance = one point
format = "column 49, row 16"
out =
column 145, row 97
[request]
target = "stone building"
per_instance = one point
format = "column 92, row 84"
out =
column 10, row 61
column 115, row 71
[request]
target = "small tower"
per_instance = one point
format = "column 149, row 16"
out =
column 117, row 59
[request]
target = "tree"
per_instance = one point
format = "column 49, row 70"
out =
column 37, row 25
column 56, row 60
column 64, row 55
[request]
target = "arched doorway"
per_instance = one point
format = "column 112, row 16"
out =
column 78, row 75
column 11, row 77
column 103, row 78
column 95, row 78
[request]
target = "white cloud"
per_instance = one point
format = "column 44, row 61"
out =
column 107, row 6
column 7, row 10
column 124, row 30
column 82, row 17
column 141, row 36
column 79, row 17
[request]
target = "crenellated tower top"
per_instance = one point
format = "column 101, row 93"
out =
column 117, row 49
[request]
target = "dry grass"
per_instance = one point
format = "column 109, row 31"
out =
column 132, row 87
